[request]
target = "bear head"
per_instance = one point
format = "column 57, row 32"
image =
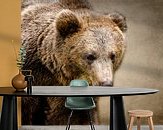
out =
column 84, row 45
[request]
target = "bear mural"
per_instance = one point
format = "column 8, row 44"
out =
column 68, row 40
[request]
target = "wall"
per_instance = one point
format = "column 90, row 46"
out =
column 142, row 65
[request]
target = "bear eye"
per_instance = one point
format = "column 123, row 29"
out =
column 90, row 58
column 112, row 57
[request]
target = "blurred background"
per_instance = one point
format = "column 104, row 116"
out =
column 143, row 62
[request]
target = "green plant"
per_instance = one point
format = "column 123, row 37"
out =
column 21, row 57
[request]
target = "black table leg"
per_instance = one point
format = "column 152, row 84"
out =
column 117, row 115
column 9, row 113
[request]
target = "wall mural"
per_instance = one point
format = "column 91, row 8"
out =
column 68, row 40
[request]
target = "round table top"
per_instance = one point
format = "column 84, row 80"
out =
column 64, row 91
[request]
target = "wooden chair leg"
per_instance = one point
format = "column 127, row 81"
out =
column 138, row 123
column 150, row 122
column 131, row 123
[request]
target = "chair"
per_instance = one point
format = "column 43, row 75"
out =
column 79, row 103
column 140, row 114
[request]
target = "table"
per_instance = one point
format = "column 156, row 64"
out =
column 117, row 116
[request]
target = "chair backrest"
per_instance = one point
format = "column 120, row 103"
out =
column 79, row 83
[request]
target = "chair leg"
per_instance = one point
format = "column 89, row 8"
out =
column 150, row 122
column 90, row 121
column 69, row 119
column 131, row 123
column 138, row 123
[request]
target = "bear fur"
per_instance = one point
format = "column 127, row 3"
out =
column 68, row 40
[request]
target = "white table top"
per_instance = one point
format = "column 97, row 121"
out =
column 64, row 91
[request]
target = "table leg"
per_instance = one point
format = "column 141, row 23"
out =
column 9, row 113
column 117, row 115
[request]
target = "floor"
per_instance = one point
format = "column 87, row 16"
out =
column 75, row 127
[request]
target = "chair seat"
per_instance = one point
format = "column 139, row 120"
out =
column 140, row 113
column 80, row 103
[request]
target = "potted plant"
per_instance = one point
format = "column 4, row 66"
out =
column 18, row 81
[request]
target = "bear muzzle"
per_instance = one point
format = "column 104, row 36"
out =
column 107, row 83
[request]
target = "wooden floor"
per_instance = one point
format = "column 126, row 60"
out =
column 77, row 127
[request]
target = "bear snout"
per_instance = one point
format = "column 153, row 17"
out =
column 106, row 83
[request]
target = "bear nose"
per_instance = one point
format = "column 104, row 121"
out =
column 107, row 83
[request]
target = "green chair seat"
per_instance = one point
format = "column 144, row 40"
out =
column 80, row 103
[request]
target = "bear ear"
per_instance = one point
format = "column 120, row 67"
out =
column 120, row 20
column 67, row 23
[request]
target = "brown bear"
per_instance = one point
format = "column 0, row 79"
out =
column 68, row 40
